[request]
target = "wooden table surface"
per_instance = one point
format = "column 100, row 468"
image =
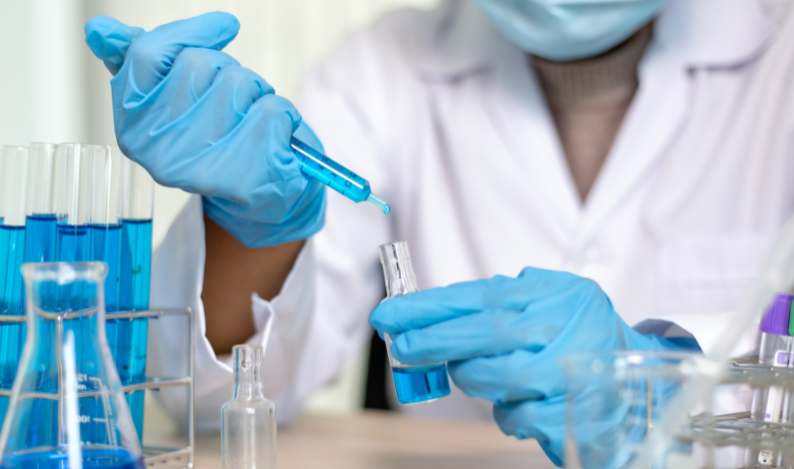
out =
column 386, row 440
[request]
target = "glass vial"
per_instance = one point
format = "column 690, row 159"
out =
column 414, row 384
column 771, row 404
column 248, row 434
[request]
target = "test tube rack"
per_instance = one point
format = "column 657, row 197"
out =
column 153, row 455
column 741, row 429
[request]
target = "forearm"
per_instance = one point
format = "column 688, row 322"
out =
column 231, row 274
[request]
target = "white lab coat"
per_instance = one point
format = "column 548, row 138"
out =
column 448, row 122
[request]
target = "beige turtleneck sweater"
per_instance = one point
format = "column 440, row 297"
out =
column 588, row 99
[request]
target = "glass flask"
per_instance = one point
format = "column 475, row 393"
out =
column 248, row 434
column 67, row 406
column 414, row 384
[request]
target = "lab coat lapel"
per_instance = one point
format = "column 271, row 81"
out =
column 691, row 34
column 517, row 108
column 656, row 115
column 514, row 105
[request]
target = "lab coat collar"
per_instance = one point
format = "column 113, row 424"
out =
column 713, row 33
column 700, row 33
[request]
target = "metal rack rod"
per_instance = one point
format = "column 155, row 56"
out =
column 152, row 455
column 155, row 383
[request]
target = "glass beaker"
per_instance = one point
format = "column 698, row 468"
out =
column 67, row 406
column 248, row 431
column 414, row 384
column 614, row 399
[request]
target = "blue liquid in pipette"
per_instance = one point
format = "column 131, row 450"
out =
column 420, row 383
column 135, row 279
column 40, row 238
column 318, row 166
column 91, row 459
column 12, row 335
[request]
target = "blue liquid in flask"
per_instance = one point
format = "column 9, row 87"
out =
column 132, row 336
column 91, row 459
column 420, row 383
column 12, row 303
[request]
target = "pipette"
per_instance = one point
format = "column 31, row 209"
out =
column 334, row 175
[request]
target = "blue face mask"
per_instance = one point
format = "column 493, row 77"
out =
column 563, row 30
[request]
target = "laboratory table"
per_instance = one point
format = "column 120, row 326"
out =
column 374, row 440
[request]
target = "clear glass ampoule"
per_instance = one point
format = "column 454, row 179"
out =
column 414, row 384
column 248, row 434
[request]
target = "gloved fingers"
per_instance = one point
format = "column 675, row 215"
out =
column 536, row 291
column 490, row 332
column 150, row 56
column 267, row 128
column 216, row 98
column 194, row 72
column 426, row 307
column 515, row 376
column 543, row 420
column 109, row 40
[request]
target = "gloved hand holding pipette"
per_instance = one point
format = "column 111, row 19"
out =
column 197, row 120
column 502, row 338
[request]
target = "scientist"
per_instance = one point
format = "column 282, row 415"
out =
column 647, row 145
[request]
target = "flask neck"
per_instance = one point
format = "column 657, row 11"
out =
column 248, row 372
column 398, row 272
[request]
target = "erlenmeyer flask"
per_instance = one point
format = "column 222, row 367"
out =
column 67, row 407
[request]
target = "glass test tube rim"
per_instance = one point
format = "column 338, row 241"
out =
column 14, row 165
column 41, row 178
column 73, row 184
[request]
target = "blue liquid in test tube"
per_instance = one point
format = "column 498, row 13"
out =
column 136, row 267
column 13, row 180
column 40, row 238
column 318, row 166
column 12, row 245
column 135, row 279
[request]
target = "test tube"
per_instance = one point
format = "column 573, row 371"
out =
column 135, row 279
column 105, row 229
column 414, row 384
column 13, row 181
column 40, row 218
column 73, row 184
column 775, row 350
column 105, row 222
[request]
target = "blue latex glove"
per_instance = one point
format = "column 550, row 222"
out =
column 197, row 120
column 502, row 338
